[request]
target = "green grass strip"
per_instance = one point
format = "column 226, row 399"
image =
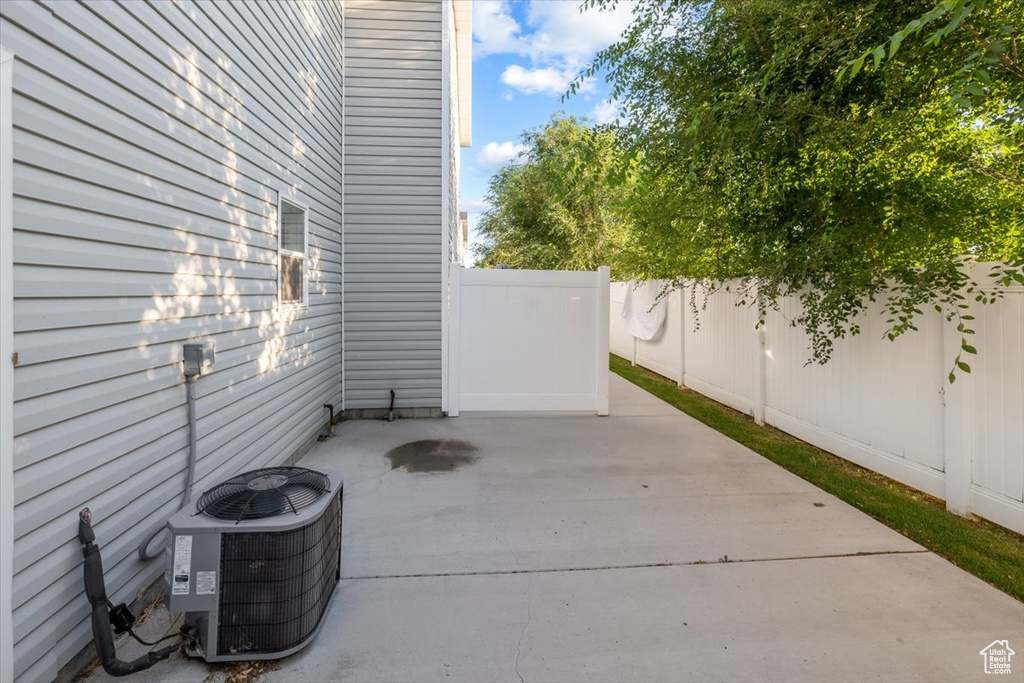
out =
column 990, row 552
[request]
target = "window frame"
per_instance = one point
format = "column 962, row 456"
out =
column 281, row 251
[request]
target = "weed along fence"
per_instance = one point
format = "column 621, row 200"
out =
column 886, row 406
column 528, row 340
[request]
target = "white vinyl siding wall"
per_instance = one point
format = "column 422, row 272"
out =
column 150, row 143
column 393, row 203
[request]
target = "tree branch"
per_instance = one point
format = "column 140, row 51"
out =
column 1008, row 63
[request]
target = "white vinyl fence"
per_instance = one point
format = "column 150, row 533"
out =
column 528, row 340
column 884, row 405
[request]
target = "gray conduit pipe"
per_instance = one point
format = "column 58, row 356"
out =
column 186, row 498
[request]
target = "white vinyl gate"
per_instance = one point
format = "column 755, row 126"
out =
column 528, row 340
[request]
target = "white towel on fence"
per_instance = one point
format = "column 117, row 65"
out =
column 643, row 313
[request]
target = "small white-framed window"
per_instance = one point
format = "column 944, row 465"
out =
column 292, row 246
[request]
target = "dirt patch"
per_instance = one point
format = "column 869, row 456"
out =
column 242, row 672
column 433, row 455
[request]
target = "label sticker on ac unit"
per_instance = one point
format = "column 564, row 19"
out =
column 182, row 568
column 206, row 583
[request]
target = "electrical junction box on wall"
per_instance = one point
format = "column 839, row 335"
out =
column 198, row 358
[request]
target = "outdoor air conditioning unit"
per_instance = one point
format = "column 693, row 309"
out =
column 254, row 564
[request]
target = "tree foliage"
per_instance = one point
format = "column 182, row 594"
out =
column 842, row 151
column 556, row 206
column 974, row 79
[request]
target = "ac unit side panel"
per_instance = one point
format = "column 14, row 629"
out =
column 192, row 576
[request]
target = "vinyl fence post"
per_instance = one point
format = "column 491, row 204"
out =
column 682, row 336
column 759, row 367
column 454, row 340
column 759, row 379
column 632, row 285
column 603, row 332
column 957, row 437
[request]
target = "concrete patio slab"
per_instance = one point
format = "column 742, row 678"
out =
column 878, row 617
column 577, row 492
column 640, row 546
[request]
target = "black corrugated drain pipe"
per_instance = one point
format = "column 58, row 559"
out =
column 391, row 417
column 96, row 591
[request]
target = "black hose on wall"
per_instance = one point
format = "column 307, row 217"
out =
column 96, row 591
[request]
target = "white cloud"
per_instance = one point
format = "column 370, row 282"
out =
column 557, row 39
column 507, row 96
column 549, row 81
column 562, row 31
column 494, row 29
column 544, row 80
column 494, row 155
column 474, row 205
column 554, row 30
column 605, row 112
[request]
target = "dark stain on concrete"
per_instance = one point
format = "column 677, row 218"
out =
column 433, row 455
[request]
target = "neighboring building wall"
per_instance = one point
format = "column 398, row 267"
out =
column 393, row 203
column 463, row 255
column 150, row 144
column 453, row 148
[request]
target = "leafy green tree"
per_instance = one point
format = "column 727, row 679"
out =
column 764, row 160
column 556, row 209
column 988, row 59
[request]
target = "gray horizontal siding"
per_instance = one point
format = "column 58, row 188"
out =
column 393, row 203
column 150, row 142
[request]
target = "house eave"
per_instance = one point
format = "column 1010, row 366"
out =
column 464, row 67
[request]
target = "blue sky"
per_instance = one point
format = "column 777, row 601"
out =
column 524, row 55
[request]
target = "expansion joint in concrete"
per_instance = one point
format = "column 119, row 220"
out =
column 618, row 567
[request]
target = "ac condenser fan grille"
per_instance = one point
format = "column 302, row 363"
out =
column 260, row 494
